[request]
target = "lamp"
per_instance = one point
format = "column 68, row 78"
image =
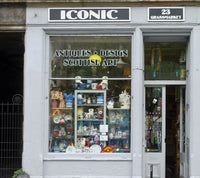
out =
column 121, row 63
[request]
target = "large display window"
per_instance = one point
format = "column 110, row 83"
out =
column 90, row 94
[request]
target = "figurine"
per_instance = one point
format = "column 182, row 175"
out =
column 124, row 99
column 56, row 148
column 62, row 146
column 78, row 79
column 104, row 82
column 96, row 140
column 55, row 131
column 62, row 132
column 100, row 114
column 61, row 98
column 92, row 141
column 81, row 142
column 110, row 104
column 56, row 95
column 69, row 98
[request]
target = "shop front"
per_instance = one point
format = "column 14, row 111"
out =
column 107, row 92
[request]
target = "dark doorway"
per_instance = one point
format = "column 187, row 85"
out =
column 11, row 102
column 11, row 65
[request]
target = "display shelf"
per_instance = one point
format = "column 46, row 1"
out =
column 61, row 130
column 90, row 120
column 122, row 138
column 89, row 105
column 118, row 108
column 86, row 135
column 90, row 113
column 62, row 137
column 62, row 108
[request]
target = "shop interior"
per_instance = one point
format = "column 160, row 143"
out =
column 173, row 130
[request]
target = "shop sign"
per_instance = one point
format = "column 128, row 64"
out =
column 88, row 14
column 166, row 14
column 87, row 57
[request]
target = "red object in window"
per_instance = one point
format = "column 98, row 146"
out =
column 108, row 149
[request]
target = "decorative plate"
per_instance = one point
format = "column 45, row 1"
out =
column 70, row 149
column 108, row 149
column 68, row 117
column 56, row 119
column 95, row 149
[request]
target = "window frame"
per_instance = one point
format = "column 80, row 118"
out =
column 80, row 156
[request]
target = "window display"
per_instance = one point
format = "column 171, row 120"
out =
column 119, row 123
column 89, row 102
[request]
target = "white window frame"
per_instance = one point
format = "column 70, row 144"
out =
column 83, row 32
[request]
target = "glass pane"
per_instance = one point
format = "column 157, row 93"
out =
column 153, row 119
column 86, row 118
column 165, row 61
column 90, row 56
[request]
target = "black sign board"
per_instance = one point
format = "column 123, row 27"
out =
column 166, row 14
column 88, row 14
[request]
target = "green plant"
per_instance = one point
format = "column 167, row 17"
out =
column 16, row 173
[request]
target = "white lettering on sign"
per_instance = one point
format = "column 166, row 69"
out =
column 166, row 14
column 165, row 11
column 88, row 14
column 81, row 57
column 110, row 14
column 70, row 14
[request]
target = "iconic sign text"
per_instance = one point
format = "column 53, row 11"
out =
column 93, row 14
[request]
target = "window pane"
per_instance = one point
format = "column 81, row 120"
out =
column 165, row 61
column 90, row 56
column 153, row 120
column 90, row 111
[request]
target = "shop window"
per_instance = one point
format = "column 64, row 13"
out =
column 165, row 61
column 90, row 89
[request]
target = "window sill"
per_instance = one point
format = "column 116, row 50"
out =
column 87, row 156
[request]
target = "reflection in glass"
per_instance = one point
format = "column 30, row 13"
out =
column 153, row 119
column 90, row 56
column 165, row 61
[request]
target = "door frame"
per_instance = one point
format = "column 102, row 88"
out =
column 155, row 165
column 163, row 85
column 183, row 141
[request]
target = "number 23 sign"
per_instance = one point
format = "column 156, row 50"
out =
column 166, row 14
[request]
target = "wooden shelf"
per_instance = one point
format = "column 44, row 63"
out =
column 118, row 108
column 62, row 108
